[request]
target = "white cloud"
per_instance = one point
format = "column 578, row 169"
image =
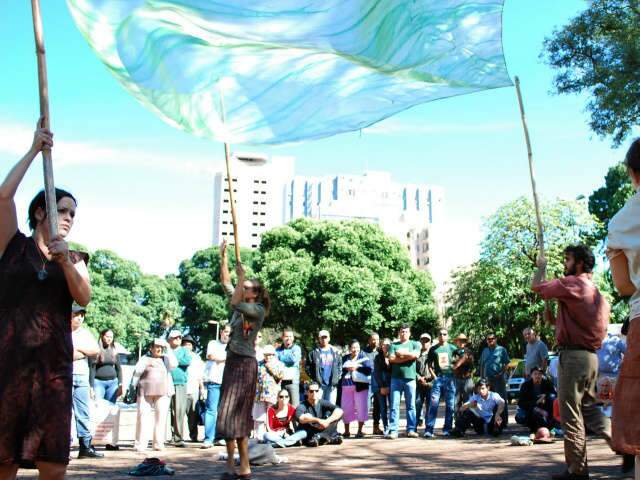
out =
column 13, row 139
column 397, row 127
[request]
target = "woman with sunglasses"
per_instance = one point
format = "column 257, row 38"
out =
column 280, row 423
column 250, row 305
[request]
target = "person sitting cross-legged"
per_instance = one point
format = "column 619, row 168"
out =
column 483, row 410
column 280, row 423
column 535, row 404
column 319, row 418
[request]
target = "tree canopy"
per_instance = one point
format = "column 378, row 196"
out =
column 598, row 52
column 495, row 293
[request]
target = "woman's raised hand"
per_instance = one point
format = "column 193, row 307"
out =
column 42, row 137
column 59, row 249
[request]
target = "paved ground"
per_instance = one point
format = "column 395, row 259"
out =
column 372, row 458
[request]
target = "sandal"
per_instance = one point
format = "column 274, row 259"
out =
column 228, row 476
column 244, row 476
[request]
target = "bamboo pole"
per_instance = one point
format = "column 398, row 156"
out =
column 536, row 203
column 43, row 86
column 227, row 159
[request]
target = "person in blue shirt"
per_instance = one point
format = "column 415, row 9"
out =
column 494, row 361
column 610, row 355
column 483, row 411
column 290, row 354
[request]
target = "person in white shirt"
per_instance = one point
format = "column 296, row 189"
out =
column 214, row 367
column 482, row 411
column 195, row 387
column 84, row 347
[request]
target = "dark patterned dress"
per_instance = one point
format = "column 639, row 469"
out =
column 36, row 356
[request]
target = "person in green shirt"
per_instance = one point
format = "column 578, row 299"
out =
column 402, row 356
column 179, row 399
column 441, row 361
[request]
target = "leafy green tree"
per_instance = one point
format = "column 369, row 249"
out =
column 135, row 306
column 599, row 52
column 605, row 202
column 347, row 277
column 494, row 293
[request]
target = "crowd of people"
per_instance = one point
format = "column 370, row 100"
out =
column 255, row 390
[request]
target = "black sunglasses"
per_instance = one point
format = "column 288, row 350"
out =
column 313, row 391
column 283, row 396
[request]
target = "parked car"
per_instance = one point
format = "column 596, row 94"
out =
column 516, row 379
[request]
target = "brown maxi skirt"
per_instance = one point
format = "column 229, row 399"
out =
column 238, row 393
column 626, row 398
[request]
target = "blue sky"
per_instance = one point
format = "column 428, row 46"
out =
column 145, row 189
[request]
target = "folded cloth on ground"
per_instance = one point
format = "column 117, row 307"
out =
column 151, row 467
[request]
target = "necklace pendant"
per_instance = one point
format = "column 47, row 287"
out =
column 42, row 275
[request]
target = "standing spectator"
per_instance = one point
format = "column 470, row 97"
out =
column 356, row 377
column 216, row 357
column 536, row 354
column 440, row 361
column 155, row 387
column 84, row 348
column 535, row 403
column 482, row 411
column 382, row 373
column 494, row 361
column 280, row 423
column 319, row 419
column 324, row 366
column 610, row 356
column 179, row 398
column 40, row 277
column 581, row 325
column 290, row 354
column 195, row 387
column 270, row 373
column 402, row 356
column 372, row 350
column 424, row 380
column 463, row 370
column 106, row 373
column 623, row 251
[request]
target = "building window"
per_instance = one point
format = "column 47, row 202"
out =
column 254, row 234
column 262, row 213
column 262, row 225
column 264, row 182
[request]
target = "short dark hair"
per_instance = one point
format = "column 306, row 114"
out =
column 40, row 202
column 313, row 384
column 582, row 253
column 536, row 369
column 404, row 325
column 482, row 382
column 632, row 159
column 353, row 341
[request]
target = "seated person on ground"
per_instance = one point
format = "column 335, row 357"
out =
column 484, row 409
column 535, row 406
column 280, row 423
column 318, row 418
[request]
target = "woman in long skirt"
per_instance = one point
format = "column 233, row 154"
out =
column 39, row 279
column 250, row 304
column 623, row 251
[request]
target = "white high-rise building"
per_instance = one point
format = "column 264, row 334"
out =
column 268, row 194
column 259, row 189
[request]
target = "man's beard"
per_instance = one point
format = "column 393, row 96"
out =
column 570, row 271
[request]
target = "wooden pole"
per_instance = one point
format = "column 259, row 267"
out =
column 43, row 86
column 536, row 203
column 227, row 159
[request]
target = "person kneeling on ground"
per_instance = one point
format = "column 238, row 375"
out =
column 535, row 405
column 483, row 408
column 319, row 418
column 280, row 423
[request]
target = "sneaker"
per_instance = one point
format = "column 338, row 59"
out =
column 412, row 435
column 457, row 433
column 446, row 434
column 428, row 435
column 377, row 431
column 360, row 435
column 313, row 442
column 336, row 440
column 220, row 443
column 180, row 445
column 391, row 436
column 567, row 475
column 206, row 445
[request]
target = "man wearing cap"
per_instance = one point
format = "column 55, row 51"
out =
column 440, row 361
column 536, row 353
column 195, row 387
column 463, row 370
column 424, row 380
column 179, row 399
column 216, row 357
column 325, row 367
column 290, row 354
column 84, row 348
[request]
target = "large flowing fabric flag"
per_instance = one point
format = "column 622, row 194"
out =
column 291, row 70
